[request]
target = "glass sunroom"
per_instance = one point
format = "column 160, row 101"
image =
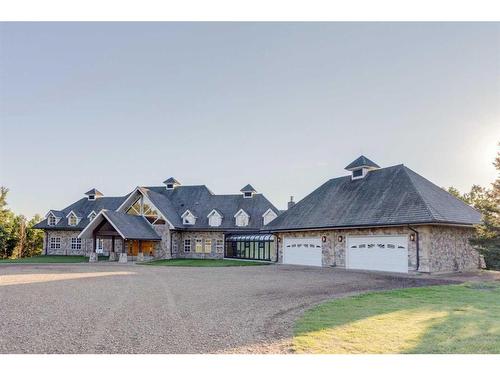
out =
column 250, row 246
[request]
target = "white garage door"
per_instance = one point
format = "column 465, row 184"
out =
column 379, row 253
column 302, row 251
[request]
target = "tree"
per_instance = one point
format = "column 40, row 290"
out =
column 487, row 237
column 18, row 238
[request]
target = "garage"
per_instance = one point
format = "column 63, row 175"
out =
column 377, row 253
column 302, row 251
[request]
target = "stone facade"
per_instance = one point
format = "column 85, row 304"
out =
column 203, row 236
column 441, row 248
column 65, row 249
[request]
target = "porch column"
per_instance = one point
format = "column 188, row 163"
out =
column 93, row 255
column 140, row 255
column 123, row 254
column 112, row 254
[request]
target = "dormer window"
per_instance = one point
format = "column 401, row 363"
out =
column 171, row 183
column 93, row 194
column 92, row 216
column 72, row 220
column 241, row 218
column 51, row 220
column 357, row 173
column 188, row 218
column 214, row 218
column 360, row 167
column 248, row 191
column 268, row 216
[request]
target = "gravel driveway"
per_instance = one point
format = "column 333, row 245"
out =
column 111, row 308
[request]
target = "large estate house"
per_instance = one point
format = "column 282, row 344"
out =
column 383, row 219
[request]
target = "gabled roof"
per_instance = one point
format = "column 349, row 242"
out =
column 55, row 213
column 362, row 161
column 241, row 211
column 387, row 196
column 74, row 213
column 248, row 188
column 214, row 211
column 171, row 180
column 83, row 207
column 186, row 213
column 128, row 226
column 95, row 192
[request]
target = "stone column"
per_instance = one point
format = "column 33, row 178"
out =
column 112, row 254
column 93, row 255
column 140, row 254
column 123, row 254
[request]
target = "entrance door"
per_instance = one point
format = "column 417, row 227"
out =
column 133, row 248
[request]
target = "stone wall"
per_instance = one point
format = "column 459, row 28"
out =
column 451, row 250
column 441, row 248
column 65, row 249
column 162, row 248
column 193, row 235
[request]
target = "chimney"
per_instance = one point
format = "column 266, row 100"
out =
column 291, row 203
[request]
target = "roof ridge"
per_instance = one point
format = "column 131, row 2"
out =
column 426, row 205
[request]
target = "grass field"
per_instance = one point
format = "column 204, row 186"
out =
column 202, row 263
column 440, row 319
column 49, row 259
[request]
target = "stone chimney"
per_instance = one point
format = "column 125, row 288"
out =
column 291, row 203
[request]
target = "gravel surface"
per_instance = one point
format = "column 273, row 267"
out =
column 111, row 308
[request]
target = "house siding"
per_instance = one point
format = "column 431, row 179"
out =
column 193, row 235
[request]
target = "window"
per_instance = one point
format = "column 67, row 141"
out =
column 242, row 219
column 188, row 218
column 357, row 173
column 52, row 220
column 55, row 243
column 76, row 243
column 198, row 245
column 92, row 216
column 247, row 194
column 73, row 220
column 187, row 246
column 170, row 186
column 219, row 246
column 91, row 197
column 214, row 219
column 208, row 246
column 99, row 244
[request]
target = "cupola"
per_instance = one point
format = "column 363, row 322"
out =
column 171, row 183
column 360, row 167
column 248, row 191
column 93, row 194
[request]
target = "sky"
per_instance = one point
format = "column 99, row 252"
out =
column 282, row 106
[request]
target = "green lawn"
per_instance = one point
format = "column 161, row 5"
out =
column 202, row 263
column 49, row 259
column 441, row 319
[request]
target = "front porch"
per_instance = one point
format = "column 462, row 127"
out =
column 131, row 237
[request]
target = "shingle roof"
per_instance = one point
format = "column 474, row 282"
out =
column 362, row 161
column 387, row 196
column 201, row 201
column 82, row 208
column 248, row 188
column 131, row 226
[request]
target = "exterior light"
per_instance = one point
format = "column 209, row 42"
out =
column 340, row 238
column 412, row 237
column 323, row 239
